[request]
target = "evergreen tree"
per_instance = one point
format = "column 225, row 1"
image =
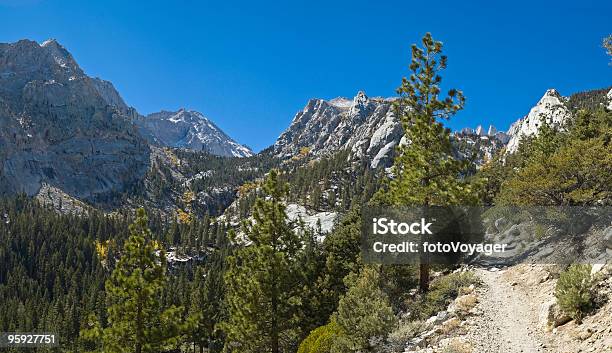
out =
column 263, row 279
column 206, row 304
column 136, row 320
column 568, row 177
column 425, row 172
column 556, row 171
column 364, row 313
column 341, row 250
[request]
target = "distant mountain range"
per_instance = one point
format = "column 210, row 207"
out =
column 63, row 129
column 192, row 130
column 368, row 127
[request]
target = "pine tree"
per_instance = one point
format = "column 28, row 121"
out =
column 341, row 249
column 556, row 170
column 364, row 313
column 206, row 304
column 263, row 279
column 137, row 323
column 425, row 171
column 568, row 177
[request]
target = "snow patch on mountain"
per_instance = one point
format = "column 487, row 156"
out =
column 61, row 56
column 341, row 102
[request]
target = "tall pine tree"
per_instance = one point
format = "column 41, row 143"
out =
column 206, row 304
column 263, row 279
column 136, row 321
column 426, row 173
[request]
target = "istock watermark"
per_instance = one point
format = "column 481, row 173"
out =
column 486, row 235
column 386, row 226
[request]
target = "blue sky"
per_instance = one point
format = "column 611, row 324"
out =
column 251, row 65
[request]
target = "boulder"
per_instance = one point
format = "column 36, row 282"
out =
column 551, row 315
column 596, row 268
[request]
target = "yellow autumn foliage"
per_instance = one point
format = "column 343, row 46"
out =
column 246, row 188
column 301, row 154
column 101, row 249
column 188, row 197
column 183, row 216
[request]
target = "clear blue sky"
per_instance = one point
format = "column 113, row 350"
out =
column 251, row 65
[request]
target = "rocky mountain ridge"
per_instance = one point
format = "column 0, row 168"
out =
column 192, row 130
column 369, row 128
column 64, row 131
column 365, row 126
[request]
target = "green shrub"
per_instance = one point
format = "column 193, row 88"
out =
column 320, row 340
column 405, row 331
column 539, row 231
column 444, row 290
column 573, row 291
column 364, row 312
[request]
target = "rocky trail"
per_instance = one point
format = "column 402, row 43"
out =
column 509, row 319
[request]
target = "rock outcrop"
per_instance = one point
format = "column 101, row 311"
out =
column 366, row 126
column 551, row 108
column 478, row 145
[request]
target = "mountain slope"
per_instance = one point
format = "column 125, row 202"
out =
column 68, row 135
column 192, row 130
column 58, row 128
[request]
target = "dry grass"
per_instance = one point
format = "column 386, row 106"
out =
column 465, row 303
column 458, row 346
column 450, row 325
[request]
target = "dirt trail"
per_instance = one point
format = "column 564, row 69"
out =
column 509, row 320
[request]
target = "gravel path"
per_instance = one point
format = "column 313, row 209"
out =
column 509, row 320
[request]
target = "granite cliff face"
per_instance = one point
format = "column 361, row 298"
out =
column 550, row 108
column 477, row 144
column 192, row 130
column 369, row 129
column 65, row 131
column 62, row 128
column 366, row 126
